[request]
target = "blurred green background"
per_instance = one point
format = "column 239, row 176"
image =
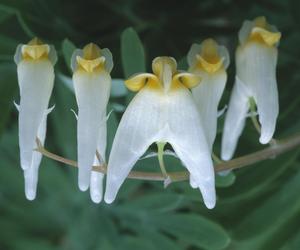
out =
column 258, row 207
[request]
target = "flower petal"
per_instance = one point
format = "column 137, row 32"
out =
column 96, row 184
column 138, row 128
column 189, row 80
column 235, row 119
column 189, row 143
column 31, row 174
column 256, row 67
column 207, row 97
column 109, row 64
column 96, row 181
column 138, row 81
column 36, row 80
column 92, row 93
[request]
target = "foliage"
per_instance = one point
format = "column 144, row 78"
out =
column 257, row 208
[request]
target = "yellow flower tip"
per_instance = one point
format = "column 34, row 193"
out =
column 209, row 51
column 165, row 77
column 189, row 80
column 262, row 32
column 91, row 59
column 35, row 41
column 90, row 65
column 264, row 36
column 35, row 49
column 209, row 58
column 159, row 64
column 91, row 51
column 137, row 82
column 261, row 22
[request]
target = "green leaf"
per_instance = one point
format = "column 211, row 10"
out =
column 7, row 47
column 135, row 243
column 182, row 64
column 8, row 90
column 255, row 180
column 161, row 241
column 118, row 88
column 225, row 180
column 63, row 120
column 12, row 12
column 293, row 242
column 261, row 224
column 193, row 229
column 132, row 53
column 161, row 202
column 112, row 125
column 68, row 48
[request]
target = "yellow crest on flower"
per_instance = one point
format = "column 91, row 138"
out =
column 209, row 58
column 91, row 61
column 165, row 77
column 263, row 33
column 35, row 50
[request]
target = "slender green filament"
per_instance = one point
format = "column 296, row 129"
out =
column 253, row 110
column 160, row 156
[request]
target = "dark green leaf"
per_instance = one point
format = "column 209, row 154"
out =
column 68, row 48
column 194, row 229
column 132, row 51
column 225, row 180
column 8, row 90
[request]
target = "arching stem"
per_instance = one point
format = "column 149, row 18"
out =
column 270, row 152
column 160, row 156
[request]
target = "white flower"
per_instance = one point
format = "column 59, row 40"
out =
column 92, row 83
column 256, row 59
column 162, row 111
column 35, row 62
column 210, row 61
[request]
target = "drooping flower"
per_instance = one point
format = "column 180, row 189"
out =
column 256, row 59
column 35, row 62
column 162, row 111
column 210, row 61
column 92, row 83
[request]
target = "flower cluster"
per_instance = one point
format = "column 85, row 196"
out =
column 171, row 106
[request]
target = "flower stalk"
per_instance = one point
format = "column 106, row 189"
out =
column 270, row 152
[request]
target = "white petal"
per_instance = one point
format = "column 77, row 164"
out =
column 92, row 93
column 52, row 55
column 235, row 119
column 36, row 83
column 109, row 64
column 31, row 174
column 245, row 30
column 257, row 69
column 96, row 181
column 96, row 189
column 191, row 56
column 193, row 182
column 207, row 96
column 138, row 128
column 18, row 54
column 189, row 143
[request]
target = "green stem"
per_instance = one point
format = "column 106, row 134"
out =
column 254, row 117
column 215, row 158
column 270, row 152
column 160, row 156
